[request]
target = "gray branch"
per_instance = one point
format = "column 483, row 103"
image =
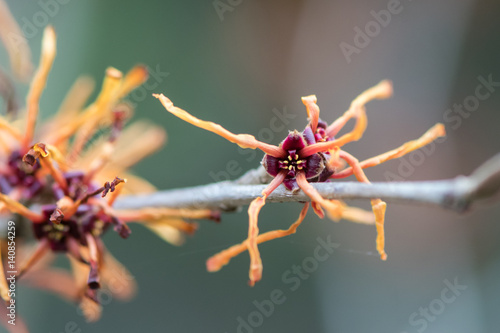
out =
column 455, row 194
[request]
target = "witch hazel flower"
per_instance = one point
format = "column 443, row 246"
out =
column 62, row 178
column 309, row 156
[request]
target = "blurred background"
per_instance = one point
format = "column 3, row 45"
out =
column 243, row 64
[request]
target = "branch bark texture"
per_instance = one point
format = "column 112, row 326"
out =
column 456, row 194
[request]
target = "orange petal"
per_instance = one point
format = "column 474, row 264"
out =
column 153, row 213
column 318, row 210
column 16, row 207
column 167, row 232
column 242, row 140
column 7, row 127
column 379, row 210
column 86, row 121
column 432, row 134
column 117, row 278
column 312, row 110
column 39, row 81
column 34, row 257
column 354, row 135
column 382, row 90
column 179, row 224
column 15, row 43
column 91, row 310
column 46, row 163
column 331, row 208
column 90, row 120
column 55, row 280
column 74, row 101
column 133, row 79
column 255, row 272
column 357, row 110
column 378, row 206
column 135, row 142
column 358, row 215
column 221, row 259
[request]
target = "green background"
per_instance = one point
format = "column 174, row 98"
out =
column 265, row 55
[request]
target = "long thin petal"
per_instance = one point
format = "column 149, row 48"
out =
column 312, row 110
column 133, row 79
column 432, row 134
column 356, row 110
column 378, row 206
column 56, row 280
column 39, row 81
column 333, row 210
column 46, row 154
column 97, row 111
column 15, row 43
column 7, row 127
column 167, row 232
column 120, row 282
column 92, row 114
column 382, row 90
column 16, row 207
column 152, row 213
column 34, row 257
column 216, row 262
column 74, row 101
column 354, row 135
column 255, row 272
column 242, row 140
column 177, row 223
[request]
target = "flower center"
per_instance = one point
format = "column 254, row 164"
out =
column 292, row 163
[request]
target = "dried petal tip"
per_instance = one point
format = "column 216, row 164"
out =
column 30, row 157
column 386, row 87
column 121, row 228
column 110, row 187
column 214, row 264
column 35, row 152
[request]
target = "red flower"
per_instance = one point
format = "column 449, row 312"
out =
column 313, row 155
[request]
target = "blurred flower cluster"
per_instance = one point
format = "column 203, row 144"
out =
column 61, row 178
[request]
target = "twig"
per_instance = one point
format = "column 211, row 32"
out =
column 455, row 194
